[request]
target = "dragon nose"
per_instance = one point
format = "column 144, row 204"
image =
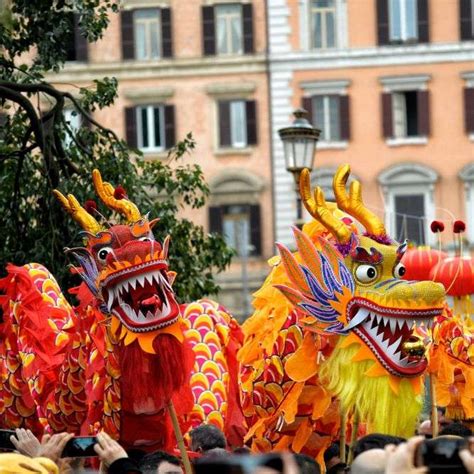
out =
column 429, row 292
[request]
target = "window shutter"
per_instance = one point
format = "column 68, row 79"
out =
column 251, row 115
column 80, row 41
column 224, row 123
column 465, row 20
column 128, row 46
column 382, row 22
column 255, row 229
column 166, row 33
column 423, row 21
column 423, row 100
column 387, row 119
column 307, row 104
column 469, row 109
column 170, row 134
column 215, row 219
column 208, row 31
column 131, row 126
column 344, row 117
column 247, row 27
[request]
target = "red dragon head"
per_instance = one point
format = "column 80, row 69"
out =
column 124, row 266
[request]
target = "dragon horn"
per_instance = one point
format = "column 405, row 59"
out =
column 105, row 191
column 353, row 204
column 318, row 208
column 78, row 213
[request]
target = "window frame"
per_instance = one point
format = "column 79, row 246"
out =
column 233, row 145
column 326, row 126
column 150, row 115
column 409, row 179
column 324, row 11
column 148, row 42
column 229, row 17
column 403, row 22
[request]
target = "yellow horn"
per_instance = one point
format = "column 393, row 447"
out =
column 353, row 204
column 105, row 191
column 78, row 213
column 318, row 208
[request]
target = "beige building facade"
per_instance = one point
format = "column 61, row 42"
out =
column 390, row 83
column 197, row 66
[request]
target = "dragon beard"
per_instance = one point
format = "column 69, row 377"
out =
column 373, row 398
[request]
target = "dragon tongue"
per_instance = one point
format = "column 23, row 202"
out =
column 153, row 302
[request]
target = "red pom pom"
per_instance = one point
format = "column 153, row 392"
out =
column 90, row 206
column 458, row 227
column 437, row 226
column 120, row 193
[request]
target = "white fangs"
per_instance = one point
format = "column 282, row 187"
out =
column 115, row 297
column 372, row 323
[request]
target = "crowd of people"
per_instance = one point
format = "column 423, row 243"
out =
column 209, row 453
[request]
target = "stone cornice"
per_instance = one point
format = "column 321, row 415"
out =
column 164, row 68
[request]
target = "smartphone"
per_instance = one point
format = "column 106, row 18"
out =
column 5, row 442
column 80, row 447
column 441, row 454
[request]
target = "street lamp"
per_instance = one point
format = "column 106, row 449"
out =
column 299, row 144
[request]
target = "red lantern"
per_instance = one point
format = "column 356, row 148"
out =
column 419, row 262
column 456, row 274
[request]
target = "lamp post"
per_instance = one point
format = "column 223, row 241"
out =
column 299, row 144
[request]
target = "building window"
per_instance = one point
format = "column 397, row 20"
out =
column 227, row 29
column 237, row 123
column 468, row 96
column 150, row 128
column 467, row 177
column 74, row 122
column 146, row 34
column 329, row 113
column 240, row 226
column 405, row 109
column 405, row 114
column 327, row 117
column 409, row 201
column 409, row 217
column 76, row 43
column 402, row 21
column 323, row 24
column 466, row 19
column 147, row 27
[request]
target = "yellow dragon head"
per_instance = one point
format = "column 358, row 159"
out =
column 353, row 288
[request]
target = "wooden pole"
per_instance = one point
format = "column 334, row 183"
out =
column 434, row 408
column 342, row 437
column 355, row 429
column 179, row 439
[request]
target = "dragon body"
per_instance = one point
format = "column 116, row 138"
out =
column 337, row 336
column 128, row 350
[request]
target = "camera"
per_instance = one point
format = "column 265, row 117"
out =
column 441, row 454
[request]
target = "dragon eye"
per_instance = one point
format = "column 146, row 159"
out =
column 102, row 254
column 399, row 270
column 366, row 273
column 145, row 239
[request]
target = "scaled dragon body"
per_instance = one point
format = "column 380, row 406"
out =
column 336, row 333
column 117, row 360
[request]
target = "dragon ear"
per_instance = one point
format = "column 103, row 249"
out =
column 153, row 222
column 90, row 272
column 171, row 277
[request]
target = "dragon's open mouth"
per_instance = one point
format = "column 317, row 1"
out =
column 141, row 296
column 389, row 331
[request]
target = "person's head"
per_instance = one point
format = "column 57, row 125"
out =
column 306, row 464
column 339, row 468
column 160, row 462
column 14, row 463
column 242, row 450
column 332, row 455
column 375, row 441
column 372, row 461
column 456, row 429
column 425, row 429
column 215, row 453
column 206, row 437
